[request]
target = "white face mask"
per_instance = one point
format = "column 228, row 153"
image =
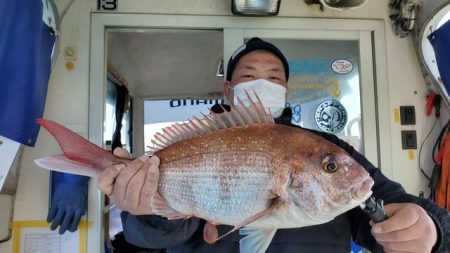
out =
column 272, row 95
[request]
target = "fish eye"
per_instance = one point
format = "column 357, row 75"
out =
column 330, row 164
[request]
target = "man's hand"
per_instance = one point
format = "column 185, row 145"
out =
column 131, row 187
column 408, row 229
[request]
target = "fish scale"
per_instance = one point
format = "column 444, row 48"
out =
column 209, row 188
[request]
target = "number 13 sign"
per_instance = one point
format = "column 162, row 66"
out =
column 107, row 5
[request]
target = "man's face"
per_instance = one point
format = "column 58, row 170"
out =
column 258, row 64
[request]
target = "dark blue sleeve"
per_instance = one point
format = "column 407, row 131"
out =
column 155, row 232
column 390, row 192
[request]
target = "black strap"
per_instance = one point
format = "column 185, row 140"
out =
column 122, row 93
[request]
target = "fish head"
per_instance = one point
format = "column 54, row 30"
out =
column 328, row 183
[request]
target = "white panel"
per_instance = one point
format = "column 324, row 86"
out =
column 303, row 33
column 232, row 39
column 6, row 202
column 382, row 100
column 97, row 95
column 369, row 119
column 8, row 151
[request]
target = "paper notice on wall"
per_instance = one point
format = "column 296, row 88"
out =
column 36, row 237
column 43, row 240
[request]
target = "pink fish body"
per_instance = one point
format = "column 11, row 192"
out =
column 228, row 176
column 238, row 168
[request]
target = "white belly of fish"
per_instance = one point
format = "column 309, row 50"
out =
column 222, row 188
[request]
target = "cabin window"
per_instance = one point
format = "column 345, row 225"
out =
column 111, row 112
column 165, row 112
column 324, row 86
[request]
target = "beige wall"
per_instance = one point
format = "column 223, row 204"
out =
column 67, row 100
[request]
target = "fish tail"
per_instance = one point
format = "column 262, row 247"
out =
column 81, row 156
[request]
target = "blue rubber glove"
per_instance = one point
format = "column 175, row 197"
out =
column 69, row 201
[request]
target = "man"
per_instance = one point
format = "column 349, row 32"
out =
column 414, row 225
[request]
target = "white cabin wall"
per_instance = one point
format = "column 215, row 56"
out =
column 67, row 99
column 67, row 102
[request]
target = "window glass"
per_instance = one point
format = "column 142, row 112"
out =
column 162, row 113
column 324, row 86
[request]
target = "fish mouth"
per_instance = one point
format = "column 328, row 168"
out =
column 362, row 191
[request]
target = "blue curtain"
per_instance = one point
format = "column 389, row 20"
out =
column 440, row 40
column 26, row 43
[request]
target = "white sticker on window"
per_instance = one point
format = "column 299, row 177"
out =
column 342, row 66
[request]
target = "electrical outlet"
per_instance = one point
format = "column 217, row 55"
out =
column 409, row 139
column 407, row 115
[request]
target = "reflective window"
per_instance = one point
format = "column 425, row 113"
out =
column 162, row 113
column 324, row 86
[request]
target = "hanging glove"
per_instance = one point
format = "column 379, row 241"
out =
column 69, row 201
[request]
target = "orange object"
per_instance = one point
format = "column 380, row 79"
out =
column 429, row 103
column 69, row 65
column 443, row 186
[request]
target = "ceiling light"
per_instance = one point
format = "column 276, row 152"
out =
column 255, row 7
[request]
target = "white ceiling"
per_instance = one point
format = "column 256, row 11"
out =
column 167, row 63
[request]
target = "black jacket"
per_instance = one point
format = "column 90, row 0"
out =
column 185, row 236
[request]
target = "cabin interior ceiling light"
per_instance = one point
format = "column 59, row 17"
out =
column 255, row 7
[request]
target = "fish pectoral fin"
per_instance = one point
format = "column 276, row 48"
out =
column 275, row 204
column 256, row 240
column 160, row 207
column 210, row 233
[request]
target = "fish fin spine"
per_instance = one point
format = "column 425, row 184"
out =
column 239, row 115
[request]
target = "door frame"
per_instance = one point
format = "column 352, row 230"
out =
column 240, row 27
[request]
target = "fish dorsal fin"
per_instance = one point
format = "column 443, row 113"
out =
column 239, row 115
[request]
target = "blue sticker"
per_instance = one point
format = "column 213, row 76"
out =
column 296, row 112
column 331, row 116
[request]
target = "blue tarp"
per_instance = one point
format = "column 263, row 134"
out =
column 440, row 40
column 26, row 43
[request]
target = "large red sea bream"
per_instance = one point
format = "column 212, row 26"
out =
column 237, row 168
